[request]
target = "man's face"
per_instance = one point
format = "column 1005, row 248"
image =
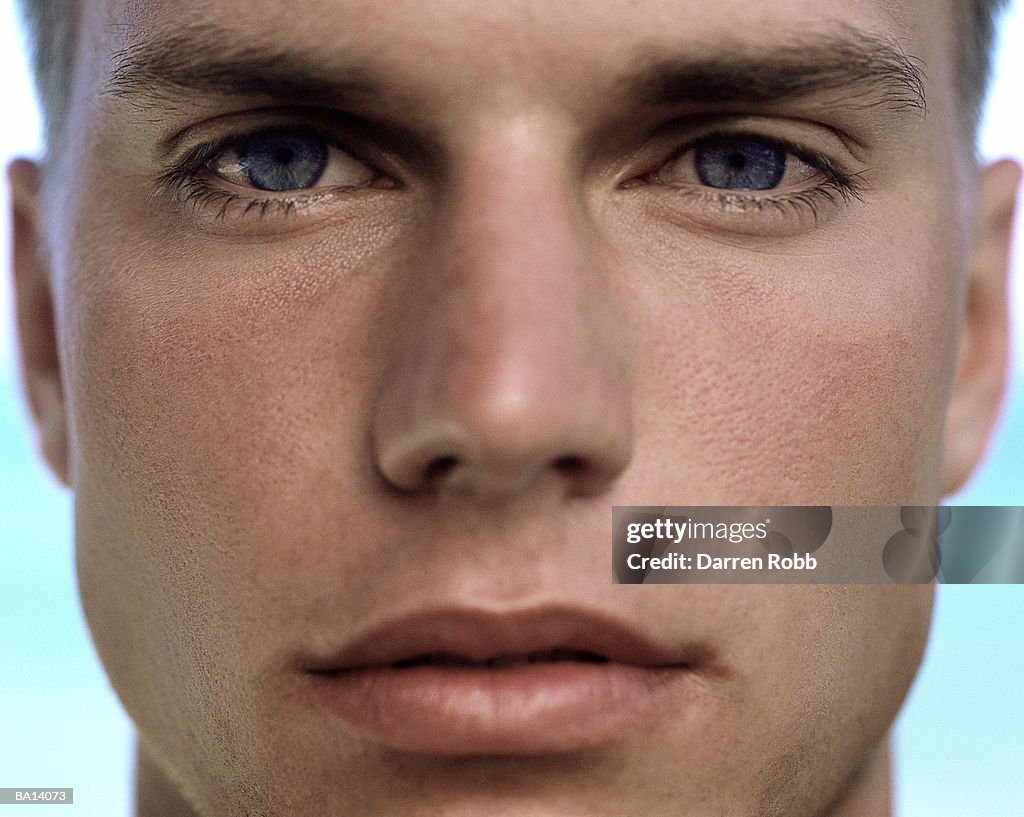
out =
column 511, row 264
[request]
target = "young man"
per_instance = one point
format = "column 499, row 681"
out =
column 347, row 324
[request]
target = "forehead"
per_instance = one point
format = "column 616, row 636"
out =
column 615, row 21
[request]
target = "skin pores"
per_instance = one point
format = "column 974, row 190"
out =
column 292, row 416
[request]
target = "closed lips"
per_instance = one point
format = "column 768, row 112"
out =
column 447, row 659
column 462, row 681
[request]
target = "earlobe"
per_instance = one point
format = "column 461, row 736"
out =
column 984, row 344
column 37, row 330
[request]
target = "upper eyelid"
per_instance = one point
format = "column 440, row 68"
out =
column 806, row 138
column 388, row 145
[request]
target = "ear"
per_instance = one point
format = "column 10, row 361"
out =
column 984, row 345
column 37, row 330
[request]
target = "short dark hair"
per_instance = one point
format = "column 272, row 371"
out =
column 977, row 28
column 51, row 27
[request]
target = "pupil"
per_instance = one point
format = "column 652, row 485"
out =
column 285, row 156
column 737, row 161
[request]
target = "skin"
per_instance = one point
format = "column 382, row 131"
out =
column 250, row 411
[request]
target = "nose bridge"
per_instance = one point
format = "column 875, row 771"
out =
column 504, row 377
column 512, row 248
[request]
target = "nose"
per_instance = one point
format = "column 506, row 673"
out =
column 507, row 373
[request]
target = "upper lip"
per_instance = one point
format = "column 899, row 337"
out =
column 481, row 635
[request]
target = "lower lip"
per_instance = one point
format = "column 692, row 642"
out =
column 524, row 709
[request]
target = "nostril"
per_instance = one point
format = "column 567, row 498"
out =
column 571, row 465
column 440, row 468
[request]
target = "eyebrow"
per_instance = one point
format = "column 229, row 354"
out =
column 862, row 67
column 200, row 63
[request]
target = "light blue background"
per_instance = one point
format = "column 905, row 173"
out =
column 960, row 747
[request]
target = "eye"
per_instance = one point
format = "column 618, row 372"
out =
column 282, row 160
column 737, row 162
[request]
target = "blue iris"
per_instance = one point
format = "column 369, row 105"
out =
column 282, row 160
column 740, row 163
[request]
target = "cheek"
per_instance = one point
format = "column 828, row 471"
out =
column 217, row 406
column 225, row 376
column 784, row 378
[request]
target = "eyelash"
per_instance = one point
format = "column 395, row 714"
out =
column 186, row 181
column 800, row 203
column 199, row 193
column 838, row 187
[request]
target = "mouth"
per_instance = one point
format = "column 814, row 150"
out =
column 447, row 659
column 467, row 682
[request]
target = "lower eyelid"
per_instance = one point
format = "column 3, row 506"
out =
column 710, row 211
column 215, row 209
